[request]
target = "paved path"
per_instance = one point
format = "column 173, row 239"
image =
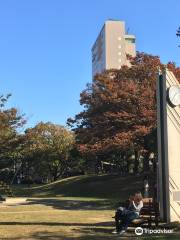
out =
column 14, row 201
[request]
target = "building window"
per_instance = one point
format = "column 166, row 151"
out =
column 130, row 40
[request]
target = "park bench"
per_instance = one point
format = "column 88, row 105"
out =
column 149, row 214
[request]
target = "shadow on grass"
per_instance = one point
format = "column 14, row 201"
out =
column 100, row 234
column 83, row 231
column 74, row 204
column 54, row 236
column 102, row 224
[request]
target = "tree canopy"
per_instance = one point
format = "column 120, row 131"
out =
column 47, row 149
column 119, row 108
column 10, row 121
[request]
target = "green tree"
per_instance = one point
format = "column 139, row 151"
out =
column 178, row 33
column 47, row 149
column 10, row 140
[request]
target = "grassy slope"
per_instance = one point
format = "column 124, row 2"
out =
column 77, row 208
column 103, row 186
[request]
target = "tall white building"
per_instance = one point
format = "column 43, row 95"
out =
column 111, row 47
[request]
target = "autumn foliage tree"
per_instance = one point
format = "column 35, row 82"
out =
column 119, row 111
column 176, row 70
column 47, row 150
column 10, row 140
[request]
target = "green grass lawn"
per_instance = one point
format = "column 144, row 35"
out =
column 61, row 219
column 101, row 186
column 79, row 208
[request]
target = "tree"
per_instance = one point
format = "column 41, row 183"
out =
column 10, row 140
column 47, row 150
column 178, row 32
column 119, row 110
column 176, row 70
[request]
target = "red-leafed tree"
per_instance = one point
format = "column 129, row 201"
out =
column 176, row 70
column 119, row 110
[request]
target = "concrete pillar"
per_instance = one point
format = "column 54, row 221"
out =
column 168, row 133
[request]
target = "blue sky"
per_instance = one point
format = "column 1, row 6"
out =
column 45, row 48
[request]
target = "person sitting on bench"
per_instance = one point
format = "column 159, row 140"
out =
column 127, row 215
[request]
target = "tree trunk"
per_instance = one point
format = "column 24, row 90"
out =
column 128, row 166
column 155, row 163
column 136, row 162
column 146, row 162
